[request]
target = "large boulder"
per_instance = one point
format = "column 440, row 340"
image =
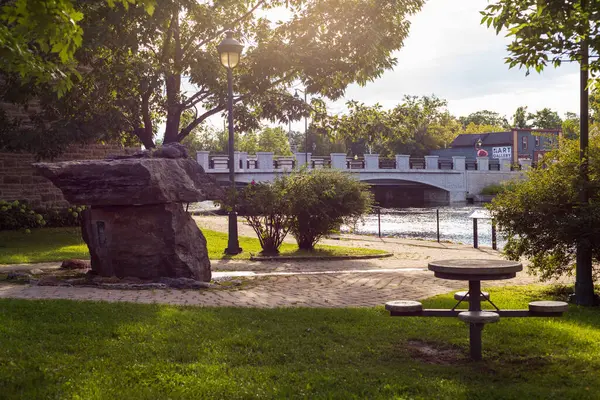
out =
column 147, row 241
column 131, row 181
column 136, row 226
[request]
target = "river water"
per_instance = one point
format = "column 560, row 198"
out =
column 414, row 223
column 420, row 223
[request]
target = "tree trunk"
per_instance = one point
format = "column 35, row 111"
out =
column 173, row 86
column 584, row 283
column 173, row 108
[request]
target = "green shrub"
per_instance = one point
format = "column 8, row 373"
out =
column 542, row 217
column 323, row 200
column 265, row 206
column 494, row 189
column 66, row 217
column 17, row 215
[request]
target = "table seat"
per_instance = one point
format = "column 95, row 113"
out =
column 479, row 317
column 548, row 306
column 403, row 306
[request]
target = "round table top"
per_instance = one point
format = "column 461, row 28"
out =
column 475, row 269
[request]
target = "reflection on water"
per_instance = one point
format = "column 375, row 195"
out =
column 455, row 224
column 417, row 223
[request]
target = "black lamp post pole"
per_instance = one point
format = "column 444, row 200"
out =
column 233, row 244
column 305, row 134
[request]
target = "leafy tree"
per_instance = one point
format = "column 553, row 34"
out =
column 425, row 121
column 248, row 142
column 485, row 117
column 546, row 119
column 274, row 140
column 414, row 127
column 320, row 45
column 319, row 142
column 266, row 208
column 474, row 128
column 521, row 118
column 553, row 32
column 205, row 139
column 321, row 201
column 570, row 126
column 542, row 216
column 38, row 39
column 362, row 126
column 51, row 124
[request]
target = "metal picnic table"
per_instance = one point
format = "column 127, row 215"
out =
column 475, row 271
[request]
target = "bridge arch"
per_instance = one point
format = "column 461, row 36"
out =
column 390, row 193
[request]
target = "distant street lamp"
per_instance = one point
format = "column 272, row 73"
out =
column 230, row 51
column 480, row 152
column 305, row 125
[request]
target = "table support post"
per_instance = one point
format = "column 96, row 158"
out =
column 475, row 241
column 475, row 341
column 475, row 329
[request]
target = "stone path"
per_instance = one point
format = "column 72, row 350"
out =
column 346, row 289
column 358, row 283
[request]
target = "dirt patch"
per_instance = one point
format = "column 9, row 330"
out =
column 434, row 353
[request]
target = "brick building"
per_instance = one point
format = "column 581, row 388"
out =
column 516, row 144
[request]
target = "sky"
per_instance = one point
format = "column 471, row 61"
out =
column 450, row 54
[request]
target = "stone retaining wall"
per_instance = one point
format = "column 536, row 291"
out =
column 19, row 181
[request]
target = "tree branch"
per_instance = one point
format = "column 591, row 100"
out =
column 186, row 131
column 196, row 98
column 221, row 31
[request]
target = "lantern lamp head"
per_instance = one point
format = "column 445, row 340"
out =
column 230, row 51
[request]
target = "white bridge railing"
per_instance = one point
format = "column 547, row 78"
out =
column 268, row 162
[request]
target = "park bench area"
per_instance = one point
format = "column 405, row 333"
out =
column 475, row 271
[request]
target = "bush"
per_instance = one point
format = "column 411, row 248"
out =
column 496, row 188
column 265, row 206
column 543, row 218
column 321, row 201
column 70, row 216
column 17, row 215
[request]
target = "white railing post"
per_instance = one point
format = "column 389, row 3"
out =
column 431, row 162
column 505, row 164
column 338, row 160
column 303, row 158
column 402, row 162
column 371, row 162
column 265, row 160
column 459, row 163
column 483, row 164
column 202, row 157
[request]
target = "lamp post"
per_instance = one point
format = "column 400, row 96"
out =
column 229, row 51
column 478, row 144
column 305, row 126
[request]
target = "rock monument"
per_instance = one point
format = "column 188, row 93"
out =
column 136, row 225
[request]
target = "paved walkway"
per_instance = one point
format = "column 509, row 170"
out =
column 339, row 289
column 357, row 283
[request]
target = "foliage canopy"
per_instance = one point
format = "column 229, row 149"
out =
column 542, row 216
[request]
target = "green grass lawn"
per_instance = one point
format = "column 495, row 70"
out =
column 84, row 350
column 57, row 244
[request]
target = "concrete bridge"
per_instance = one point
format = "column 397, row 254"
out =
column 428, row 180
